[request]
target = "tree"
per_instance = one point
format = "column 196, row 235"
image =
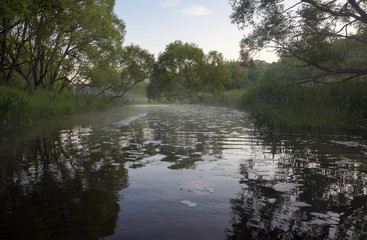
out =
column 217, row 72
column 239, row 78
column 178, row 73
column 282, row 71
column 183, row 72
column 45, row 42
column 136, row 66
column 320, row 33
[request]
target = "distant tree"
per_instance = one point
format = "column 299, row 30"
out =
column 320, row 33
column 183, row 72
column 136, row 66
column 285, row 71
column 178, row 73
column 216, row 73
column 239, row 75
column 255, row 72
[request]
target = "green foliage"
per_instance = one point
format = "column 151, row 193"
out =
column 216, row 72
column 278, row 103
column 183, row 72
column 178, row 72
column 323, row 34
column 134, row 66
column 13, row 104
column 137, row 66
column 288, row 70
column 309, row 107
column 47, row 42
column 230, row 98
column 239, row 78
column 18, row 106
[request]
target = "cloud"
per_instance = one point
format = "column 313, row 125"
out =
column 197, row 11
column 169, row 3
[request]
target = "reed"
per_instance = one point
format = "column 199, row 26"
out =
column 18, row 106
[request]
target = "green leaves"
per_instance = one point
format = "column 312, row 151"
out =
column 216, row 72
column 136, row 66
column 48, row 41
column 307, row 29
column 183, row 72
column 181, row 66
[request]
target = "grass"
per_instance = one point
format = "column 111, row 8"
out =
column 17, row 106
column 228, row 98
column 315, row 108
column 308, row 108
column 13, row 104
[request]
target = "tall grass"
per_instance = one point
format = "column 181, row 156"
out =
column 229, row 98
column 309, row 107
column 315, row 108
column 15, row 105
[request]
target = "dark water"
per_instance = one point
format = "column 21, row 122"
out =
column 179, row 172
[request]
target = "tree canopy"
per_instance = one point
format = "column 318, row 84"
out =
column 183, row 71
column 47, row 42
column 136, row 66
column 327, row 34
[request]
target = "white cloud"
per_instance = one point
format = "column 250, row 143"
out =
column 197, row 11
column 169, row 3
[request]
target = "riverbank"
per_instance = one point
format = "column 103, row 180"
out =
column 309, row 108
column 19, row 107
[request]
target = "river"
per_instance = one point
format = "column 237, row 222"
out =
column 179, row 172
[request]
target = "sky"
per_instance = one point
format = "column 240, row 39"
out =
column 153, row 24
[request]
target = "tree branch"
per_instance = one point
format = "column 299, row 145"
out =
column 326, row 9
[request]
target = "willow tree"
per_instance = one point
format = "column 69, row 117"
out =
column 327, row 34
column 135, row 66
column 216, row 73
column 47, row 42
column 183, row 72
column 179, row 70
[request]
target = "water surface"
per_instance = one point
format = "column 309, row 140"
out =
column 179, row 172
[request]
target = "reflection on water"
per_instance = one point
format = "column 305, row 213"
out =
column 307, row 189
column 59, row 187
column 179, row 172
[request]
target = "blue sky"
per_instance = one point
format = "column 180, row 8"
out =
column 152, row 24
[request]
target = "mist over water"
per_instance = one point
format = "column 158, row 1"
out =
column 179, row 172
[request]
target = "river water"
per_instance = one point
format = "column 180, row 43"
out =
column 179, row 172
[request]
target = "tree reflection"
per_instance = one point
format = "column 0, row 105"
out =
column 310, row 195
column 182, row 137
column 58, row 187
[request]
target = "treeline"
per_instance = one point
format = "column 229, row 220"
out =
column 279, row 102
column 184, row 73
column 318, row 84
column 320, row 81
column 280, row 95
column 64, row 47
column 51, row 50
